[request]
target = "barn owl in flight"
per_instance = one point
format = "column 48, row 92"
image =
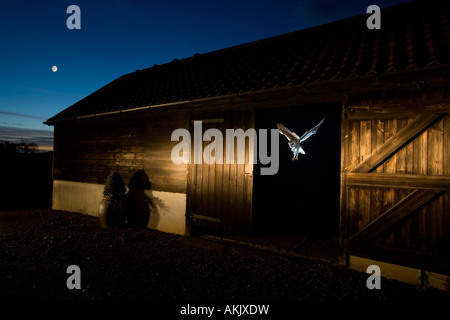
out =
column 295, row 140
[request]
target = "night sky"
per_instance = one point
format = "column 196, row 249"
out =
column 119, row 37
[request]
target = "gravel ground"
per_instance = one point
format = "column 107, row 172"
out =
column 37, row 246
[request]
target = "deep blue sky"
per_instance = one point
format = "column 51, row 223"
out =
column 119, row 37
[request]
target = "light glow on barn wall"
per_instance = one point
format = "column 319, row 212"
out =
column 153, row 159
column 237, row 150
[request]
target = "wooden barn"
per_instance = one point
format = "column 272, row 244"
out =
column 376, row 174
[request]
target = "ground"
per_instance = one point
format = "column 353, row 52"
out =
column 37, row 247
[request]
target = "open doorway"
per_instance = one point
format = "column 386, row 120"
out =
column 302, row 199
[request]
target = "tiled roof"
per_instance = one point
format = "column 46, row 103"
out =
column 412, row 35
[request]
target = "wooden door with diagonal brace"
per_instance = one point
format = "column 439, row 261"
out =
column 395, row 185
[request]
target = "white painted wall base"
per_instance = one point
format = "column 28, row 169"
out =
column 168, row 216
column 404, row 274
column 77, row 197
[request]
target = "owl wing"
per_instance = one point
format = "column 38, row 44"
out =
column 287, row 133
column 309, row 133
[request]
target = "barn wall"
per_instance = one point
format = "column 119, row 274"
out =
column 168, row 216
column 87, row 150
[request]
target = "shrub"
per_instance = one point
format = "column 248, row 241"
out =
column 114, row 187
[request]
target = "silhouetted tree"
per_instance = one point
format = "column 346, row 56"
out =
column 24, row 146
column 28, row 147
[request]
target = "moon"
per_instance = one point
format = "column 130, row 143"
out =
column 54, row 68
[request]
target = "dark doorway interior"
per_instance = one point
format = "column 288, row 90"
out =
column 302, row 199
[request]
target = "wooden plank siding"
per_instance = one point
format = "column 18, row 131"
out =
column 220, row 195
column 394, row 215
column 397, row 178
column 88, row 150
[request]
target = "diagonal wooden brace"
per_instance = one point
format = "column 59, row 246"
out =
column 397, row 141
column 395, row 214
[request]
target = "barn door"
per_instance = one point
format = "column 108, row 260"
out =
column 396, row 178
column 220, row 195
